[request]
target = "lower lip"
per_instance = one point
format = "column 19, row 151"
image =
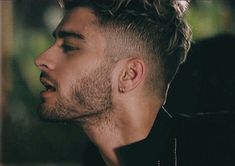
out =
column 46, row 93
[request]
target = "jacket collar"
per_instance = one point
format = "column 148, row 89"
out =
column 154, row 148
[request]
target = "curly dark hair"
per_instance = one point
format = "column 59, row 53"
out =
column 155, row 29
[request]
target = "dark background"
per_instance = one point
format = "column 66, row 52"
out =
column 204, row 83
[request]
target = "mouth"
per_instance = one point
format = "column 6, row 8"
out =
column 49, row 87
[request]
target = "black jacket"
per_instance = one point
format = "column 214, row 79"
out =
column 202, row 140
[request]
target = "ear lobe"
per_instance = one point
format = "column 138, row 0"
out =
column 132, row 75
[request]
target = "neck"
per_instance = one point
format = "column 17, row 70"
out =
column 121, row 126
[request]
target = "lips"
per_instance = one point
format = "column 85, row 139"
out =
column 50, row 87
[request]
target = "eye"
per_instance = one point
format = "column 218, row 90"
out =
column 67, row 48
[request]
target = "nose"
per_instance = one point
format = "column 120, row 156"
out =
column 46, row 61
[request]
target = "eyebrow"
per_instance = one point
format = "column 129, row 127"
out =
column 63, row 34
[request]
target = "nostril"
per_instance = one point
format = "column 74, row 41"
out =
column 43, row 67
column 40, row 64
column 38, row 61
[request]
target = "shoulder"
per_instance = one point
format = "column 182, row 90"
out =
column 205, row 123
column 206, row 139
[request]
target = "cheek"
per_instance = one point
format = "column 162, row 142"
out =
column 71, row 72
column 65, row 83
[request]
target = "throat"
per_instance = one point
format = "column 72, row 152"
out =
column 111, row 158
column 107, row 137
column 118, row 130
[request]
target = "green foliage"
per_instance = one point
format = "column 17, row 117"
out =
column 208, row 18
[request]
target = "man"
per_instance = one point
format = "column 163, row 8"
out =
column 109, row 70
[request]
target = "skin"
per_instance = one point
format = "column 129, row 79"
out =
column 70, row 70
column 108, row 99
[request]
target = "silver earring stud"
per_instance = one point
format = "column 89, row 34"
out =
column 121, row 90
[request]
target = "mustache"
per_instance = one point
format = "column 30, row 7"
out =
column 49, row 78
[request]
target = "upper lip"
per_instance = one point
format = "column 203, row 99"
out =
column 48, row 84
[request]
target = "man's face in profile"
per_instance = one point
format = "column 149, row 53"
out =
column 75, row 71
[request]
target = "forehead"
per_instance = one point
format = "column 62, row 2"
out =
column 79, row 20
column 80, row 27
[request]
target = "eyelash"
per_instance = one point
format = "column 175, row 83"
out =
column 68, row 48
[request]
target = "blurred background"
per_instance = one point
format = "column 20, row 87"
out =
column 25, row 31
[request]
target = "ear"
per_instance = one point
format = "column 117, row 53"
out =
column 132, row 75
